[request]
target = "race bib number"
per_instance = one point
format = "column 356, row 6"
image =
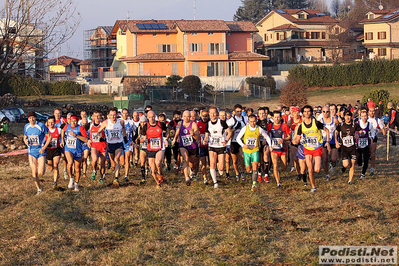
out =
column 155, row 143
column 251, row 142
column 217, row 141
column 144, row 145
column 348, row 141
column 115, row 134
column 187, row 140
column 33, row 140
column 363, row 142
column 71, row 142
column 95, row 137
column 54, row 142
column 311, row 142
column 275, row 143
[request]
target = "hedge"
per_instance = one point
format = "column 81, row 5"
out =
column 265, row 81
column 364, row 72
column 28, row 86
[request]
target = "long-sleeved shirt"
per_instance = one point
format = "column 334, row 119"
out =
column 261, row 132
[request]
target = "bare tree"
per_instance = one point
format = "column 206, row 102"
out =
column 335, row 6
column 30, row 30
column 214, row 90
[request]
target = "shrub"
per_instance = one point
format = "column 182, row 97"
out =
column 191, row 85
column 365, row 72
column 293, row 93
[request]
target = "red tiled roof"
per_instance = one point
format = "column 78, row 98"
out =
column 284, row 27
column 386, row 44
column 241, row 26
column 63, row 61
column 386, row 15
column 202, row 25
column 132, row 26
column 259, row 45
column 156, row 57
column 312, row 17
column 85, row 62
column 119, row 24
column 247, row 55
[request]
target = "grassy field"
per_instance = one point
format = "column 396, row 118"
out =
column 197, row 225
column 179, row 225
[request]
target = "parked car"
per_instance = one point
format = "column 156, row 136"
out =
column 42, row 117
column 9, row 115
column 18, row 113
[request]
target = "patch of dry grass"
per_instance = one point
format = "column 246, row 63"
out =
column 197, row 225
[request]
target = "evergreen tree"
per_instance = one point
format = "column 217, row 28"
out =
column 252, row 10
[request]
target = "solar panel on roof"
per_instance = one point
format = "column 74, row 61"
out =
column 154, row 25
column 387, row 16
column 162, row 26
column 320, row 14
column 140, row 26
column 147, row 26
column 280, row 11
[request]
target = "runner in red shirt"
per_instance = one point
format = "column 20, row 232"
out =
column 53, row 149
column 98, row 146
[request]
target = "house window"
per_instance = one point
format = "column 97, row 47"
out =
column 301, row 35
column 166, row 48
column 323, row 35
column 195, row 69
column 232, row 69
column 266, row 37
column 315, row 35
column 175, row 69
column 371, row 16
column 213, row 69
column 382, row 35
column 215, row 48
column 382, row 51
column 195, row 47
column 277, row 36
column 194, row 33
column 302, row 16
column 210, row 33
column 307, row 35
column 369, row 36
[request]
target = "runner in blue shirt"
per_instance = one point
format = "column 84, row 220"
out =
column 35, row 138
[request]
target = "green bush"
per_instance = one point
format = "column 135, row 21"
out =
column 265, row 81
column 191, row 85
column 28, row 86
column 364, row 72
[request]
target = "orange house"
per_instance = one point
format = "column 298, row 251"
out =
column 186, row 47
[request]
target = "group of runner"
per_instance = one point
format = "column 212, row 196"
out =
column 254, row 142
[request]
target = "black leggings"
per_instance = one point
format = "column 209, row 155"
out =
column 363, row 156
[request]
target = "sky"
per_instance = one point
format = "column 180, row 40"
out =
column 95, row 13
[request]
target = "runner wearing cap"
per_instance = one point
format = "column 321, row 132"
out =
column 35, row 134
column 143, row 147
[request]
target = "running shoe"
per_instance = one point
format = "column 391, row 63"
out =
column 237, row 178
column 84, row 175
column 76, row 185
column 279, row 185
column 305, row 183
column 349, row 182
column 227, row 176
column 292, row 169
column 298, row 178
column 206, row 181
column 216, row 185
column 101, row 180
column 160, row 178
column 143, row 180
column 66, row 175
column 70, row 185
column 188, row 182
column 266, row 178
column 343, row 169
column 362, row 177
column 39, row 191
column 328, row 178
column 253, row 187
column 115, row 182
column 93, row 175
column 126, row 179
column 313, row 190
column 371, row 171
column 331, row 168
column 55, row 185
column 131, row 164
column 158, row 186
column 243, row 177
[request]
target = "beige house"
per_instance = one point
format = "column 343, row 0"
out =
column 381, row 33
column 289, row 35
